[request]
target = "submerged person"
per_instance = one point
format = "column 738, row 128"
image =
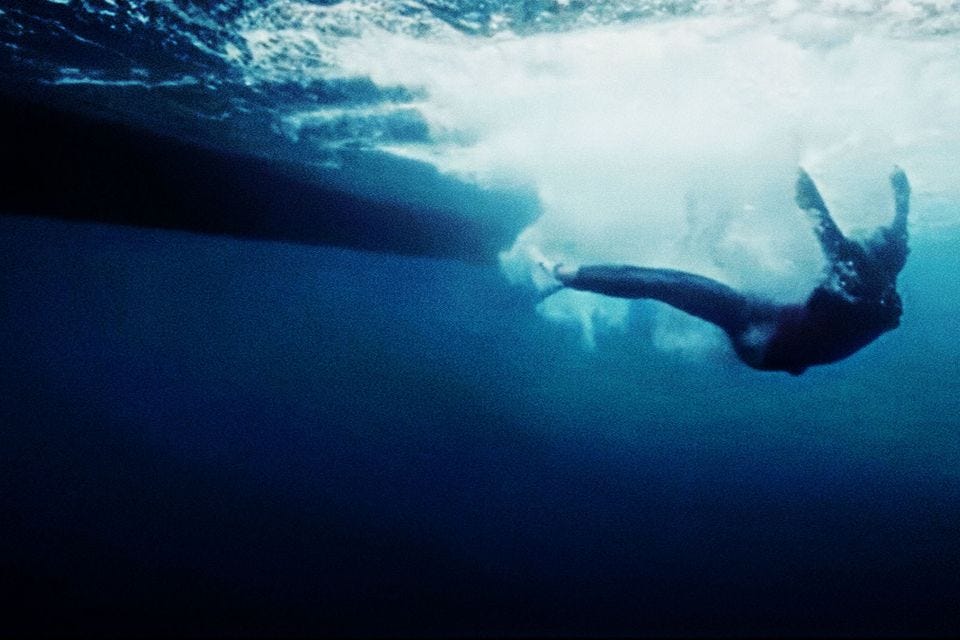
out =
column 854, row 304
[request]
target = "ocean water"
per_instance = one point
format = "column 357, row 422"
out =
column 216, row 434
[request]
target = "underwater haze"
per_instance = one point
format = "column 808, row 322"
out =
column 242, row 433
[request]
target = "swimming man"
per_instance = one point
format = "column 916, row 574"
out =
column 854, row 303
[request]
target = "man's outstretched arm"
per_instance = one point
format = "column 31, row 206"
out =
column 809, row 200
column 890, row 243
column 901, row 199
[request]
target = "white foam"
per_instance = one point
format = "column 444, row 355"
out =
column 676, row 143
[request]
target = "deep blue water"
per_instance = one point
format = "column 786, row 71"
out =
column 207, row 435
column 230, row 436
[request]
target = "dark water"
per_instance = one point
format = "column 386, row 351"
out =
column 203, row 435
column 231, row 437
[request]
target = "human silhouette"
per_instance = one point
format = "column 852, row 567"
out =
column 854, row 303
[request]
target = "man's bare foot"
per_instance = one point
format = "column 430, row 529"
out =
column 564, row 272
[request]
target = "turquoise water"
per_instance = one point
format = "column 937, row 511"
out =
column 236, row 436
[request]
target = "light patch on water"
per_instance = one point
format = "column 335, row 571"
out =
column 675, row 143
column 69, row 76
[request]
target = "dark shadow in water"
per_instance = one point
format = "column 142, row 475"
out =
column 202, row 436
column 63, row 164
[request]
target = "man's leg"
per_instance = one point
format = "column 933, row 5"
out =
column 699, row 296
